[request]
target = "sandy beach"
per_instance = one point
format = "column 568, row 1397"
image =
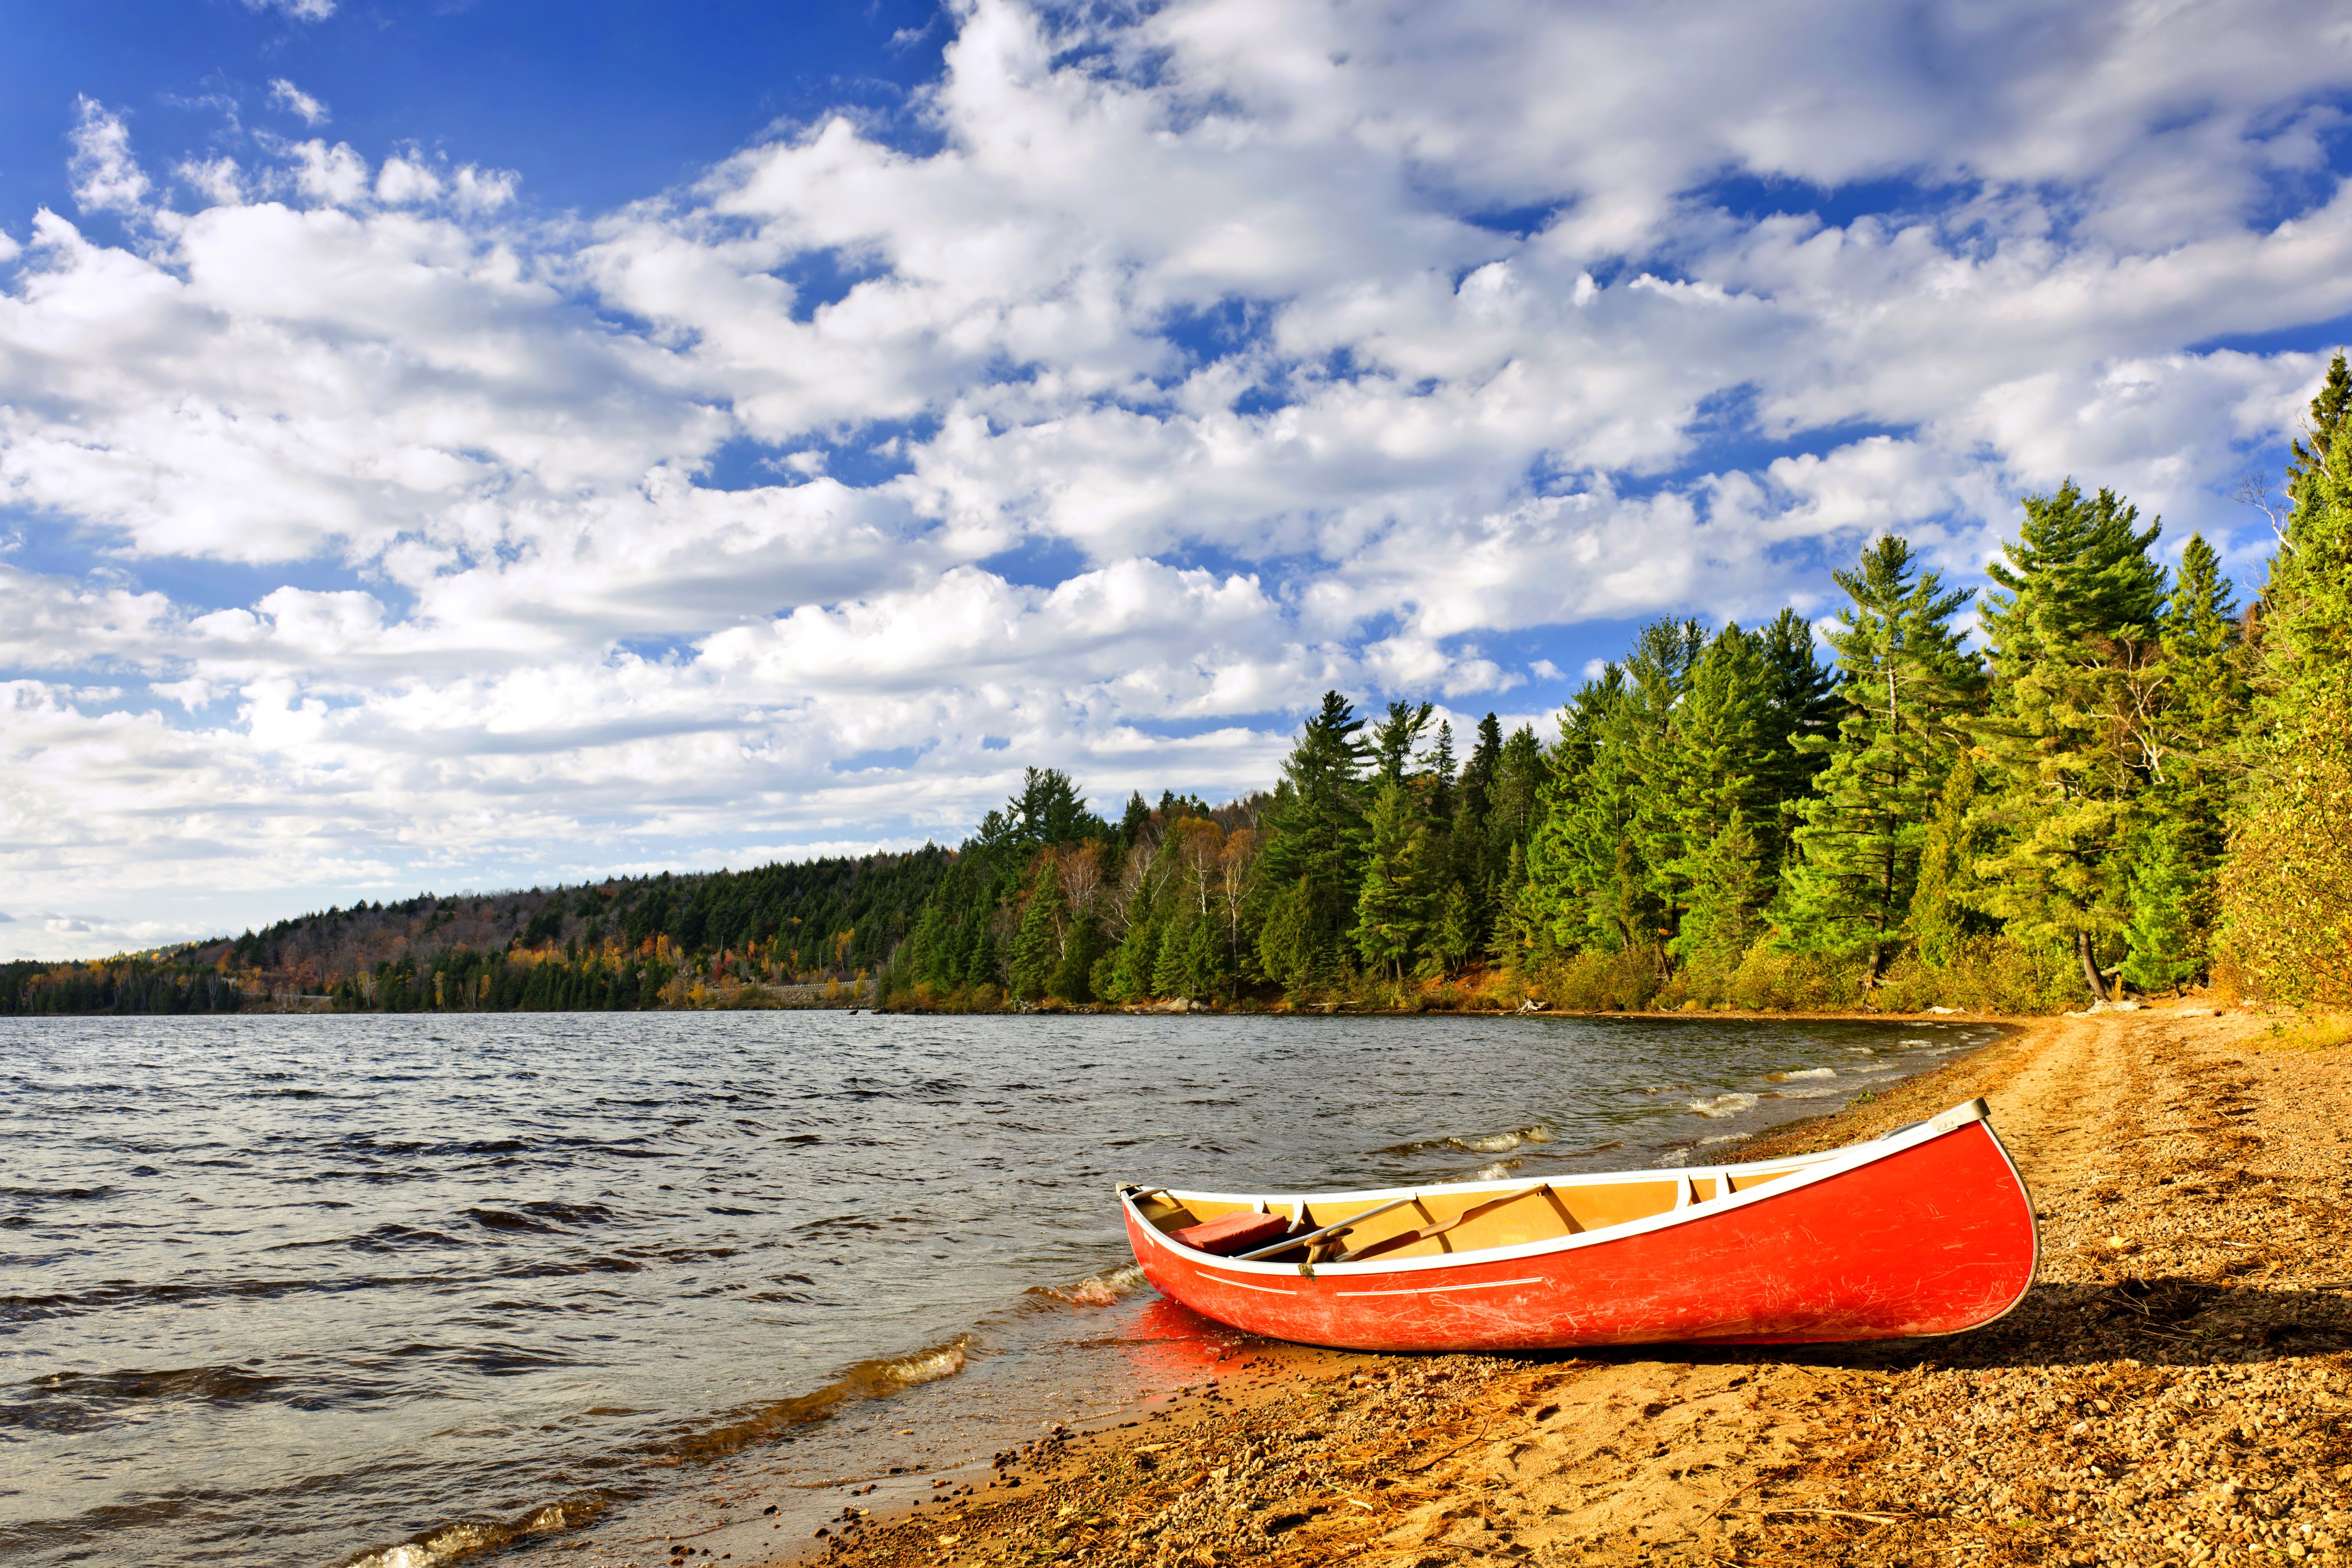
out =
column 2176, row 1389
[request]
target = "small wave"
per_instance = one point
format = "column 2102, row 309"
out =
column 1722, row 1105
column 499, row 1219
column 1861, row 1051
column 1495, row 1171
column 1095, row 1290
column 1478, row 1143
column 877, row 1379
column 74, row 1400
column 928, row 1366
column 1810, row 1093
column 1915, row 1042
column 1722, row 1138
column 469, row 1537
column 1802, row 1073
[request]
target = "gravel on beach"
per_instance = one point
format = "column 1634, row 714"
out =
column 2175, row 1390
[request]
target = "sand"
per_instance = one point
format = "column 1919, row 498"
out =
column 2176, row 1388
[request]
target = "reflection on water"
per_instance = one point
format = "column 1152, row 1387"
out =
column 305, row 1290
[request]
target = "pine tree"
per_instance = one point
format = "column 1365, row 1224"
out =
column 1208, row 964
column 1396, row 738
column 1802, row 723
column 2072, row 733
column 1037, row 944
column 1478, row 772
column 1072, row 979
column 1907, row 686
column 1941, row 917
column 1170, row 966
column 1049, row 810
column 981, row 968
column 1393, row 906
column 2205, row 701
column 1515, row 925
column 1471, row 854
column 1290, row 945
column 1441, row 774
column 1315, row 841
column 2329, row 407
column 1514, row 802
column 1708, row 775
column 1580, row 852
column 1604, row 856
column 1130, row 963
column 1520, row 776
column 1133, row 821
column 1729, row 891
column 2160, row 942
column 1457, row 935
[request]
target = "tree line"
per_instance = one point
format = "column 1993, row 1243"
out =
column 625, row 942
column 130, row 984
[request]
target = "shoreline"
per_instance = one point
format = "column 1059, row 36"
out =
column 2170, row 1391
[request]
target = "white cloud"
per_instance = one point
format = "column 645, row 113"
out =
column 329, row 175
column 106, row 177
column 285, row 95
column 400, row 183
column 1176, row 366
column 218, row 179
column 300, row 10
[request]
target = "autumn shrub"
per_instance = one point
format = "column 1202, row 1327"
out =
column 1772, row 982
column 1983, row 974
column 2286, row 889
column 1596, row 982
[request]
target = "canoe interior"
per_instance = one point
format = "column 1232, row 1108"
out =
column 1440, row 1220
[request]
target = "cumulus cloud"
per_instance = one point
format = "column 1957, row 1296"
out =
column 106, row 177
column 285, row 95
column 1152, row 373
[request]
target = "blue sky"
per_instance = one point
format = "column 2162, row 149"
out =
column 601, row 103
column 473, row 443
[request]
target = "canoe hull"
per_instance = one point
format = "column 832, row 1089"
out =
column 1936, row 1237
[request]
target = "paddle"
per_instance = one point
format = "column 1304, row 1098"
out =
column 1288, row 1242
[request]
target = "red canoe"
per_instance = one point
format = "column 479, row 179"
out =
column 1928, row 1230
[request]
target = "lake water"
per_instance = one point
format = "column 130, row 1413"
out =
column 388, row 1291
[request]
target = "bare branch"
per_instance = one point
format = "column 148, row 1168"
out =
column 2254, row 490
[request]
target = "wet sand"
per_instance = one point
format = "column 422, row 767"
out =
column 2176, row 1388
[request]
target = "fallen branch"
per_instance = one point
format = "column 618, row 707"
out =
column 1727, row 1497
column 1416, row 1469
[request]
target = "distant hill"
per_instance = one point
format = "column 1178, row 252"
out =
column 621, row 942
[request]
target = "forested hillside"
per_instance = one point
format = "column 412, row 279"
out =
column 2130, row 782
column 626, row 942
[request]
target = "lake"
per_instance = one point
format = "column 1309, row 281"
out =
column 389, row 1289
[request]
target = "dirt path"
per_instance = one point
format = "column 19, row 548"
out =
column 2176, row 1389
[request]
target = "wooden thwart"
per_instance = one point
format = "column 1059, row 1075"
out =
column 1391, row 1242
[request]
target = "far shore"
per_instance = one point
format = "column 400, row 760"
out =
column 815, row 998
column 2175, row 1390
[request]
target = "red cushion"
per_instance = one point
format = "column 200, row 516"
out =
column 1241, row 1231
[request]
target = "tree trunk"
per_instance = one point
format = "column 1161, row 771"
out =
column 2091, row 974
